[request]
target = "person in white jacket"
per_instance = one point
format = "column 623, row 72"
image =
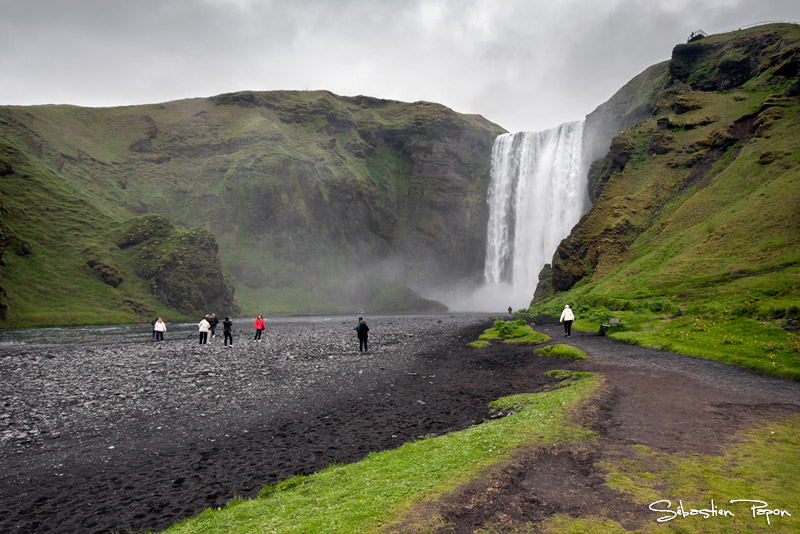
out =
column 204, row 326
column 159, row 328
column 567, row 317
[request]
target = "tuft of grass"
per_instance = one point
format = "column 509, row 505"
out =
column 562, row 524
column 360, row 497
column 514, row 332
column 479, row 344
column 562, row 351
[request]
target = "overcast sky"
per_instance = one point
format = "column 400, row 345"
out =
column 523, row 64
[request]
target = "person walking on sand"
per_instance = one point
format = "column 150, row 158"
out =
column 363, row 335
column 260, row 326
column 159, row 328
column 203, row 327
column 227, row 325
column 153, row 324
column 567, row 317
column 213, row 322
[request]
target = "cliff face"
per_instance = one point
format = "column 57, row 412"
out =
column 701, row 195
column 309, row 201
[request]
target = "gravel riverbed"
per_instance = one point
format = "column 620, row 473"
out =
column 129, row 434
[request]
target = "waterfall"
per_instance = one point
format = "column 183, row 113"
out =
column 536, row 195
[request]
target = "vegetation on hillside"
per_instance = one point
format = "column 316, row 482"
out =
column 315, row 203
column 697, row 211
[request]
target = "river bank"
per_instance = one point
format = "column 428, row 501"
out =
column 129, row 434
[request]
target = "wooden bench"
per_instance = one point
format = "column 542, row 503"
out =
column 605, row 326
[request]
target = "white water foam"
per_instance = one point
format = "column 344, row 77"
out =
column 538, row 192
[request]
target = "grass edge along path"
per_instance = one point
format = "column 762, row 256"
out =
column 759, row 465
column 747, row 343
column 361, row 496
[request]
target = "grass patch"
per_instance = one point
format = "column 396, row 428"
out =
column 562, row 524
column 727, row 336
column 562, row 351
column 761, row 466
column 479, row 344
column 748, row 343
column 514, row 332
column 361, row 496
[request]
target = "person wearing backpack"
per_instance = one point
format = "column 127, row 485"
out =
column 363, row 335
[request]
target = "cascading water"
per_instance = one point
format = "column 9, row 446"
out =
column 536, row 195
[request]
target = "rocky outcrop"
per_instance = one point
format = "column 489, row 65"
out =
column 183, row 268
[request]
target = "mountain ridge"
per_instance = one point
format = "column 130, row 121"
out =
column 317, row 202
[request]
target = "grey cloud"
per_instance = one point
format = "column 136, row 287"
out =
column 525, row 65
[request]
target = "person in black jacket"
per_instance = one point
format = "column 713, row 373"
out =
column 227, row 325
column 362, row 329
column 213, row 322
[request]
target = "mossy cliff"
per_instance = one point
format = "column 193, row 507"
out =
column 305, row 200
column 698, row 203
column 183, row 268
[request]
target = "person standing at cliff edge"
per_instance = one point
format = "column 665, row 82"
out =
column 260, row 326
column 567, row 317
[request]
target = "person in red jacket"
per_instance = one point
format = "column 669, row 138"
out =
column 260, row 326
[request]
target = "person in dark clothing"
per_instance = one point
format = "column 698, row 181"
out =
column 153, row 324
column 212, row 323
column 363, row 335
column 227, row 325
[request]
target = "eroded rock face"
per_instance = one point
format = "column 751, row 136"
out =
column 568, row 265
column 601, row 170
column 183, row 267
column 189, row 276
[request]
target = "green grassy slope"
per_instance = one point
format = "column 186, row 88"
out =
column 700, row 211
column 307, row 194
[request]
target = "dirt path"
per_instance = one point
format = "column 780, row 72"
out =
column 133, row 436
column 667, row 402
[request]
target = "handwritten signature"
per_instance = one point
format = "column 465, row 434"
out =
column 757, row 508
